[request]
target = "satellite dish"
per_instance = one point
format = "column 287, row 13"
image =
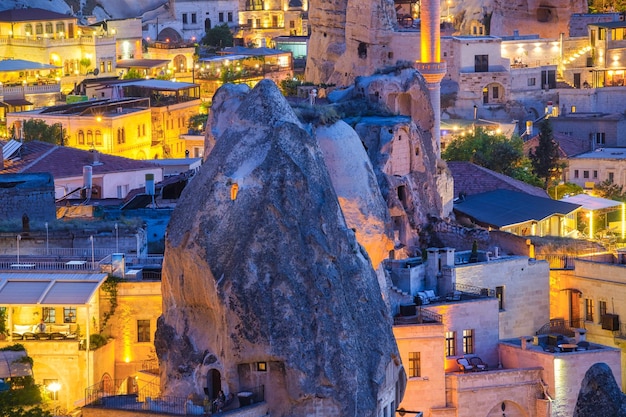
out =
column 96, row 71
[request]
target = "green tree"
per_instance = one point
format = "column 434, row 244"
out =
column 219, row 37
column 492, row 151
column 608, row 189
column 133, row 74
column 545, row 157
column 37, row 129
column 197, row 123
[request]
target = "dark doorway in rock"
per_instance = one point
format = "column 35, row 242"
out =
column 214, row 384
column 362, row 50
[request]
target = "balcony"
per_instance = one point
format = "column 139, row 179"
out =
column 106, row 394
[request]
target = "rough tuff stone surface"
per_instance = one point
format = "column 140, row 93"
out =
column 348, row 38
column 402, row 151
column 599, row 395
column 271, row 273
column 355, row 183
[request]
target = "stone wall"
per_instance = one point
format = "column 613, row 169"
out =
column 526, row 305
column 27, row 194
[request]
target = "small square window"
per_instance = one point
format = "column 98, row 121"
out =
column 261, row 366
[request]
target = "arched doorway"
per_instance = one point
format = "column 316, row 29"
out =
column 493, row 93
column 213, row 383
column 509, row 409
column 169, row 35
column 180, row 63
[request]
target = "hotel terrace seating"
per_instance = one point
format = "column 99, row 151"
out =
column 464, row 365
column 53, row 332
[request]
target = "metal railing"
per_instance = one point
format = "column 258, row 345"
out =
column 474, row 291
column 422, row 316
column 561, row 326
column 559, row 261
column 109, row 394
column 26, row 265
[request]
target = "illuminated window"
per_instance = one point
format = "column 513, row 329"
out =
column 109, row 66
column 49, row 314
column 51, row 387
column 49, row 27
column 588, row 309
column 69, row 314
column 28, row 29
column 414, row 365
column 573, row 109
column 39, row 29
column 60, row 27
column 143, row 330
column 261, row 366
column 500, row 297
column 468, row 341
column 450, row 343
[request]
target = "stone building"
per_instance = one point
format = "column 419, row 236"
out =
column 26, row 197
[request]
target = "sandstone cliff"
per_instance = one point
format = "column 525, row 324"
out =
column 260, row 267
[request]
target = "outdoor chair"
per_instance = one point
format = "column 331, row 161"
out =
column 478, row 363
column 464, row 365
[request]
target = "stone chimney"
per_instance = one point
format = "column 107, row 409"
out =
column 447, row 257
column 432, row 263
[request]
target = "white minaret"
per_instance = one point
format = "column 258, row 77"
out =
column 430, row 65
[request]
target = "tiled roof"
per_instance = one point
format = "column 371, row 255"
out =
column 568, row 145
column 501, row 208
column 64, row 162
column 473, row 179
column 31, row 14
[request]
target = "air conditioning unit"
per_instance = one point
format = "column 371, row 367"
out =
column 610, row 322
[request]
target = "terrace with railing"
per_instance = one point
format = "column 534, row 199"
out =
column 111, row 395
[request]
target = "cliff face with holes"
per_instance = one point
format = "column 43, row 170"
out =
column 264, row 282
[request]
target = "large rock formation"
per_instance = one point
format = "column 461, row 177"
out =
column 599, row 395
column 416, row 185
column 261, row 270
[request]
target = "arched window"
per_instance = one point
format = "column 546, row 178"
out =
column 49, row 27
column 39, row 29
column 60, row 27
column 98, row 138
column 28, row 28
column 89, row 137
column 81, row 137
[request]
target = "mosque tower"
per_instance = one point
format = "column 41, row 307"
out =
column 430, row 65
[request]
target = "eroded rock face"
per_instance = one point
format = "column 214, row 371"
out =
column 260, row 267
column 599, row 395
column 348, row 38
